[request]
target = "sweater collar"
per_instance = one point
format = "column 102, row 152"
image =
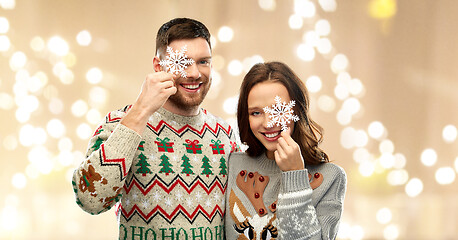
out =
column 197, row 120
column 268, row 164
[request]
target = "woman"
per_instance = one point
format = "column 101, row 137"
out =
column 283, row 186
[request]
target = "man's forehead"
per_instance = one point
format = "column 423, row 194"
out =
column 196, row 47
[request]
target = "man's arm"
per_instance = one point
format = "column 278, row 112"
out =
column 98, row 182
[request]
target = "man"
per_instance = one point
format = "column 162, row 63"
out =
column 162, row 160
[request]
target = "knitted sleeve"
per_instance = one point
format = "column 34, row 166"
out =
column 329, row 209
column 298, row 218
column 98, row 181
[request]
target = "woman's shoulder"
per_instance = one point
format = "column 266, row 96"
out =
column 333, row 182
column 331, row 171
column 238, row 155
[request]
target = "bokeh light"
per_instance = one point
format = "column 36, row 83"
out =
column 414, row 187
column 55, row 128
column 79, row 108
column 18, row 61
column 58, row 46
column 4, row 25
column 313, row 84
column 429, row 157
column 382, row 9
column 397, row 177
column 37, row 44
column 98, row 96
column 456, row 164
column 445, row 175
column 84, row 38
column 305, row 52
column 84, row 131
column 295, row 21
column 94, row 75
column 5, row 43
column 235, row 68
column 386, row 146
column 267, row 5
column 225, row 34
column 339, row 63
column 384, row 215
column 326, row 103
column 391, row 232
column 304, row 8
column 361, row 154
column 376, row 129
column 8, row 4
column 324, row 46
column 19, row 181
column 323, row 27
column 93, row 116
column 230, row 105
column 328, row 5
column 449, row 133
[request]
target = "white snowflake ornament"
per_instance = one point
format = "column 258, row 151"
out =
column 176, row 61
column 281, row 113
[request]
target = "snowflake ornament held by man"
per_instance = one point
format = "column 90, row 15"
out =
column 176, row 61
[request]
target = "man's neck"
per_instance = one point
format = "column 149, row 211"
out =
column 189, row 112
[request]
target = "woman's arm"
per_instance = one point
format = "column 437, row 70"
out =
column 298, row 218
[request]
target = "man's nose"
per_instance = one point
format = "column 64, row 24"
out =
column 192, row 71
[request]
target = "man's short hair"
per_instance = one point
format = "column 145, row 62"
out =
column 180, row 28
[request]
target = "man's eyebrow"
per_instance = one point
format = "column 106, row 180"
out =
column 204, row 58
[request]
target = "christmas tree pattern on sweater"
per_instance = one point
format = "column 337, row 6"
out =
column 174, row 178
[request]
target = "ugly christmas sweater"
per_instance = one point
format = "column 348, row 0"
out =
column 262, row 202
column 168, row 183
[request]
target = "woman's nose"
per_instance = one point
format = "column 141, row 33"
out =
column 266, row 121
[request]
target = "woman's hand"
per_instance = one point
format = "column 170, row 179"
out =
column 288, row 154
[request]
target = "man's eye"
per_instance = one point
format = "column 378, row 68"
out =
column 204, row 62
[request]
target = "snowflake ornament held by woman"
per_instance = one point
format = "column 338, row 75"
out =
column 281, row 113
column 176, row 61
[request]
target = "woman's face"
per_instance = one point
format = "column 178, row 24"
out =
column 263, row 95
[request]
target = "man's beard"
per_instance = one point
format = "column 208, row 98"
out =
column 189, row 103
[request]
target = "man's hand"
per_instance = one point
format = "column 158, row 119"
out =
column 156, row 89
column 288, row 154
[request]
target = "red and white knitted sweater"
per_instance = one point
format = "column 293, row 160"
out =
column 168, row 183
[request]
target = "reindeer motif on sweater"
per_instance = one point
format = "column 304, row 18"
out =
column 260, row 223
column 257, row 225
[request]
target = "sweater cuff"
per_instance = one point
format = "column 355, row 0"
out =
column 295, row 180
column 124, row 139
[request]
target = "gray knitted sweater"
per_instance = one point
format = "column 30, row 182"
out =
column 262, row 202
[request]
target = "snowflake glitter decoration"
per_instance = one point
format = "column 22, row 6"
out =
column 176, row 61
column 281, row 113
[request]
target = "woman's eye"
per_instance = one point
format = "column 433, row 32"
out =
column 255, row 113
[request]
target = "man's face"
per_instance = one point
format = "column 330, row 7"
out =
column 192, row 89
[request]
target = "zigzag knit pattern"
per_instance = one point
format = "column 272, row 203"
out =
column 168, row 183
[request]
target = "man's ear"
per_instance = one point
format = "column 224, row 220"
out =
column 156, row 66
